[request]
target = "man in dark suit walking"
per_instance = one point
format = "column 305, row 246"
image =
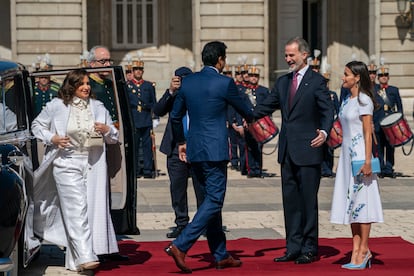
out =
column 178, row 171
column 205, row 96
column 307, row 117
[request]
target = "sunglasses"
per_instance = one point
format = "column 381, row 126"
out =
column 254, row 75
column 103, row 61
column 138, row 68
column 372, row 72
column 383, row 75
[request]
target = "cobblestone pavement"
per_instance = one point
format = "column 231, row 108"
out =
column 253, row 207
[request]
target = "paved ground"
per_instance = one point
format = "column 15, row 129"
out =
column 253, row 208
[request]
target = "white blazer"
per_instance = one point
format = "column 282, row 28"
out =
column 47, row 221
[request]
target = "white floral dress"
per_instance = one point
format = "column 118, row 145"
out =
column 355, row 199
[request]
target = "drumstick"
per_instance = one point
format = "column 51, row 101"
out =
column 375, row 138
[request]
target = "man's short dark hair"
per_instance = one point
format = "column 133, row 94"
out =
column 303, row 46
column 212, row 51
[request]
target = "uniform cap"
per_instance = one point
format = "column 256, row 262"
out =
column 45, row 63
column 227, row 69
column 238, row 69
column 137, row 63
column 315, row 63
column 128, row 68
column 245, row 68
column 253, row 70
column 372, row 67
column 383, row 70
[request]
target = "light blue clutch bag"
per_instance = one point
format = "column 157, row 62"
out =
column 357, row 164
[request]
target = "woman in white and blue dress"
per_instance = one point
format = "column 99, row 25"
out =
column 356, row 200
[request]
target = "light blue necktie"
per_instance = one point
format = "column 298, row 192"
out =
column 186, row 122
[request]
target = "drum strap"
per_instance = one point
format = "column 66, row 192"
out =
column 374, row 139
column 411, row 149
column 383, row 95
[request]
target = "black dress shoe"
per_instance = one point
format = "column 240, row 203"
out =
column 254, row 175
column 286, row 258
column 117, row 257
column 306, row 258
column 113, row 257
column 175, row 232
column 149, row 175
column 390, row 175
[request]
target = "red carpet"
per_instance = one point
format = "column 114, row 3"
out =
column 392, row 256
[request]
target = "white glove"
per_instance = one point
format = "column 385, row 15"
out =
column 155, row 123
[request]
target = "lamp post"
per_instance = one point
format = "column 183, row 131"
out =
column 406, row 16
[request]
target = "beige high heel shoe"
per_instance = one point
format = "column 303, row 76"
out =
column 89, row 265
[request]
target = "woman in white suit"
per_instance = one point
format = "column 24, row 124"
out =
column 70, row 189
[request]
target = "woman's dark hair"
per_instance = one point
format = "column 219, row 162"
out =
column 73, row 80
column 358, row 68
column 212, row 51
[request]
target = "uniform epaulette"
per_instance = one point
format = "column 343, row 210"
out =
column 55, row 86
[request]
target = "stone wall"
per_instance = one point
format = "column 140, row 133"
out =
column 242, row 25
column 54, row 27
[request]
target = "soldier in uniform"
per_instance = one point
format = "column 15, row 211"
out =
column 235, row 120
column 142, row 99
column 379, row 110
column 45, row 88
column 233, row 136
column 255, row 94
column 238, row 78
column 328, row 156
column 128, row 72
column 101, row 85
column 391, row 103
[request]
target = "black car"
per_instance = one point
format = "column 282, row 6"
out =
column 21, row 154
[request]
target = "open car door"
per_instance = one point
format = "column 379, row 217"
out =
column 16, row 168
column 120, row 157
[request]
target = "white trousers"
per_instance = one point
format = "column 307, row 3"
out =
column 70, row 173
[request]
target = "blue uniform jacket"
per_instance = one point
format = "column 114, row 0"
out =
column 141, row 101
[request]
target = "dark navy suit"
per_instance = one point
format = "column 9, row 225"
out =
column 300, row 163
column 178, row 170
column 141, row 96
column 390, row 103
column 205, row 95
